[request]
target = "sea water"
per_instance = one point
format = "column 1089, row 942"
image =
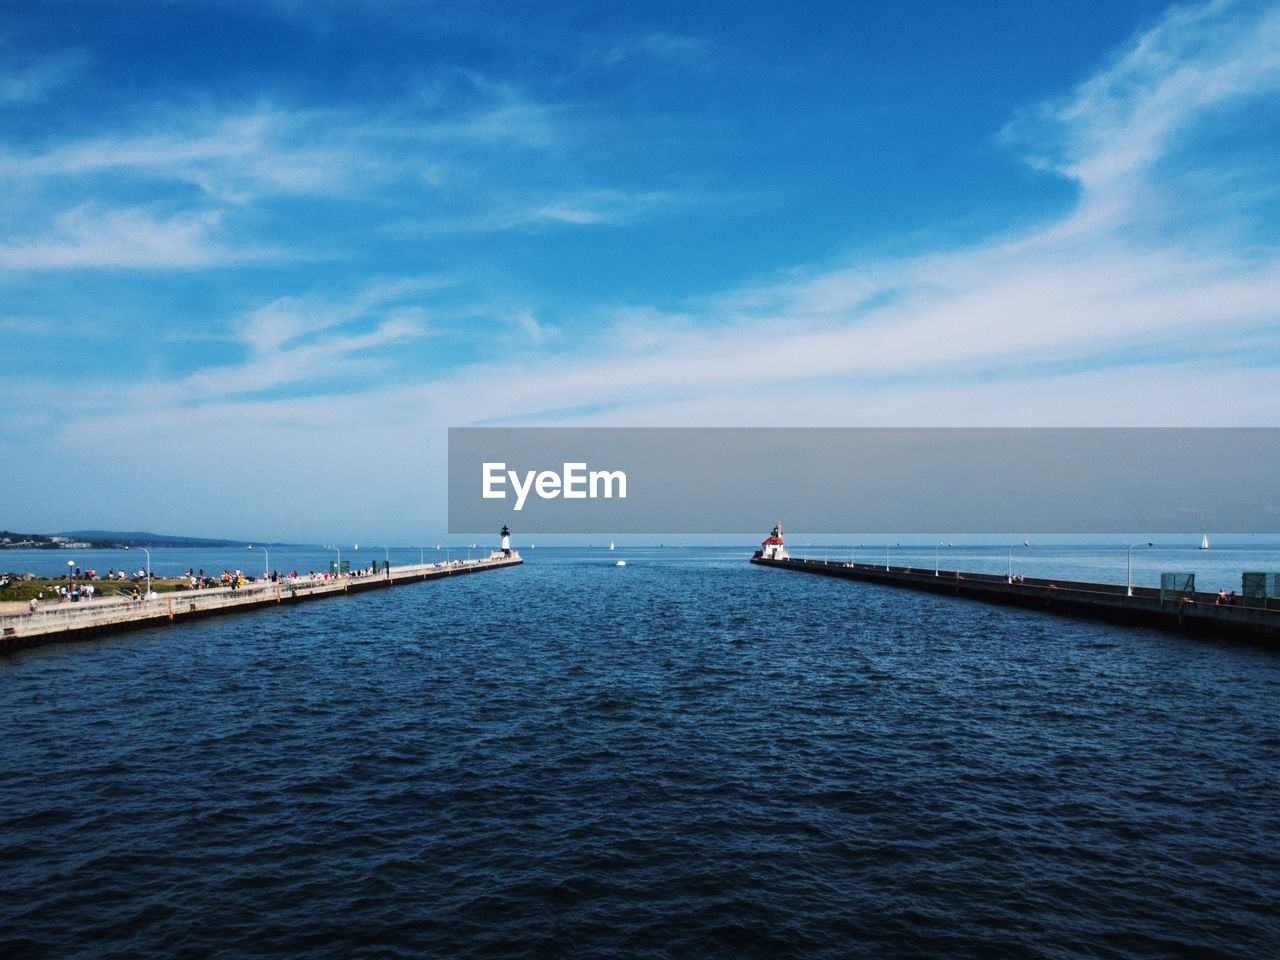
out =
column 685, row 757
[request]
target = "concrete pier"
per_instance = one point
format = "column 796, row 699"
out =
column 1197, row 613
column 55, row 623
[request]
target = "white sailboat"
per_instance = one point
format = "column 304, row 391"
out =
column 610, row 544
column 1204, row 542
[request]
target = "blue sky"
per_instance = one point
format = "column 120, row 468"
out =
column 256, row 258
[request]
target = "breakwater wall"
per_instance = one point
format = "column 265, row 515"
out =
column 1196, row 613
column 56, row 623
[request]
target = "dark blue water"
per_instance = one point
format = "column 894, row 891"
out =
column 685, row 757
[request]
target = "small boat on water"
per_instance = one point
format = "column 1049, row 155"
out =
column 621, row 563
column 1204, row 542
column 610, row 544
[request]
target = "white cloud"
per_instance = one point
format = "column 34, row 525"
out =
column 231, row 158
column 31, row 84
column 25, row 326
column 324, row 357
column 527, row 321
column 295, row 340
column 90, row 236
column 564, row 213
column 1082, row 320
column 1117, row 124
column 485, row 161
column 657, row 45
column 289, row 319
column 581, row 208
column 243, row 153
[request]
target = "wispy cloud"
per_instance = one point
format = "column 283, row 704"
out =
column 295, row 340
column 516, row 211
column 527, row 321
column 468, row 154
column 32, row 83
column 90, row 236
column 567, row 213
column 290, row 319
column 231, row 158
column 239, row 155
column 590, row 208
column 658, row 45
column 325, row 357
column 1117, row 125
column 27, row 326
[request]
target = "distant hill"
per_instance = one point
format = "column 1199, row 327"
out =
column 11, row 540
column 143, row 539
column 107, row 539
column 139, row 538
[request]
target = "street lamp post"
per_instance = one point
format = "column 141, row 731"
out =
column 71, row 565
column 937, row 557
column 338, row 568
column 266, row 562
column 1025, row 543
column 1128, row 566
column 422, row 556
column 148, row 553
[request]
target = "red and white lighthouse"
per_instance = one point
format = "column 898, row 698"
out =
column 772, row 548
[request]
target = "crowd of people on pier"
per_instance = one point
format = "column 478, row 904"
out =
column 78, row 575
column 79, row 585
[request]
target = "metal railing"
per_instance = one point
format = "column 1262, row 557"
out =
column 1037, row 585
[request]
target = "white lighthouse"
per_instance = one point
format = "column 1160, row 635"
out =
column 504, row 551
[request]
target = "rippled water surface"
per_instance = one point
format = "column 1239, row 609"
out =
column 685, row 757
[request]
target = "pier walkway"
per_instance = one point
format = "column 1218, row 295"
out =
column 1190, row 613
column 54, row 623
